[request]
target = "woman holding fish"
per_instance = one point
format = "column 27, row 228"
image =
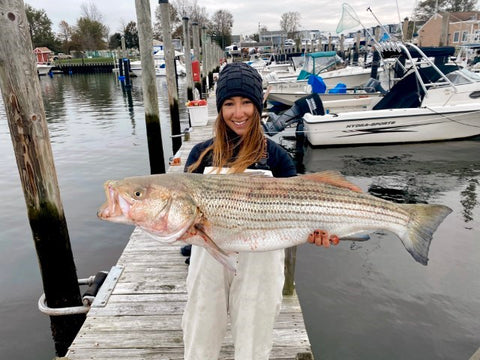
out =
column 240, row 224
column 251, row 295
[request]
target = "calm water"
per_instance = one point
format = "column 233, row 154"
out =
column 97, row 133
column 361, row 301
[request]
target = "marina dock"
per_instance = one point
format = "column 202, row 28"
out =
column 137, row 313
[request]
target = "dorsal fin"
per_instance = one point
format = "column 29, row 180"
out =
column 331, row 177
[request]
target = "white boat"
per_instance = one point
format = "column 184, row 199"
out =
column 429, row 103
column 159, row 64
column 326, row 64
column 469, row 56
column 332, row 103
column 43, row 69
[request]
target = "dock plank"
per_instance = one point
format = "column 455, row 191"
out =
column 142, row 317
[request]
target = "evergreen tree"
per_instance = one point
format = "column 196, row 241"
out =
column 131, row 35
column 41, row 29
column 427, row 8
column 115, row 41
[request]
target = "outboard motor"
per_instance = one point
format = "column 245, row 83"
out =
column 308, row 104
column 373, row 85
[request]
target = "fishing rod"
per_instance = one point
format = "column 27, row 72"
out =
column 379, row 23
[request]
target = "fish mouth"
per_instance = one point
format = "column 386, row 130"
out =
column 116, row 207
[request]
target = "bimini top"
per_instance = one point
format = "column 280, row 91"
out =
column 392, row 49
column 321, row 54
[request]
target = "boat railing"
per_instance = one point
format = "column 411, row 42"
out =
column 399, row 47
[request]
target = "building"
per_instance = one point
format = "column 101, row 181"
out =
column 450, row 29
column 42, row 54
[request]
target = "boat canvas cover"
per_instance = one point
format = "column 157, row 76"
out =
column 407, row 93
column 317, row 62
column 435, row 52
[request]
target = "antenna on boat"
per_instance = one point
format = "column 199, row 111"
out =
column 378, row 21
column 400, row 21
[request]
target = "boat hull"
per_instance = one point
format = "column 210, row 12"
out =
column 394, row 125
column 160, row 70
column 43, row 69
column 332, row 103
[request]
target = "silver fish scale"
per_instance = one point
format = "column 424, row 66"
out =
column 259, row 203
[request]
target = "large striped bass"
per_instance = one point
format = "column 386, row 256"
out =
column 241, row 212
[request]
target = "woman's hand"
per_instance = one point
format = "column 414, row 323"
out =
column 322, row 238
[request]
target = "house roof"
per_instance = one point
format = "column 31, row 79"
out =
column 464, row 16
column 454, row 17
column 41, row 50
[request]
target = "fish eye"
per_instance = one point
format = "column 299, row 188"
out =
column 138, row 193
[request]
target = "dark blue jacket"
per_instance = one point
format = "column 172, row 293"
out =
column 278, row 161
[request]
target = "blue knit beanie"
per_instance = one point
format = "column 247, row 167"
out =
column 239, row 79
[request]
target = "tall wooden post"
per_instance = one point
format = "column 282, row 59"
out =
column 150, row 96
column 357, row 48
column 28, row 129
column 196, row 41
column 375, row 63
column 196, row 51
column 342, row 46
column 204, row 71
column 171, row 76
column 188, row 57
column 404, row 28
column 124, row 47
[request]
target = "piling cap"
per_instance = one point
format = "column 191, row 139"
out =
column 240, row 79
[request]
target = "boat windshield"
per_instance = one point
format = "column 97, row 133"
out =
column 315, row 63
column 462, row 76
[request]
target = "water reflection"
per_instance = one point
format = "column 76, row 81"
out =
column 414, row 173
column 408, row 173
column 97, row 133
column 345, row 291
column 469, row 200
column 128, row 98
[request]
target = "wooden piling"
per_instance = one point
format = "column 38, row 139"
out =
column 28, row 129
column 150, row 97
column 169, row 53
column 203, row 73
column 342, row 46
column 188, row 57
column 196, row 51
column 357, row 49
column 375, row 64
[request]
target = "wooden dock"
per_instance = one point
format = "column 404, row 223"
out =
column 138, row 314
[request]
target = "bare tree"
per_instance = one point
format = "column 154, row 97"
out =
column 192, row 10
column 179, row 9
column 175, row 22
column 91, row 12
column 221, row 26
column 65, row 33
column 290, row 23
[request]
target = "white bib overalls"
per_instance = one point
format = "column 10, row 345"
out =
column 250, row 298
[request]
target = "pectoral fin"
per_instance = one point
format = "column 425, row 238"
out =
column 214, row 250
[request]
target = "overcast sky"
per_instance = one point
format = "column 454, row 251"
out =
column 247, row 14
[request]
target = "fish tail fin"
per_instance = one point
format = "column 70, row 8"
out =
column 425, row 219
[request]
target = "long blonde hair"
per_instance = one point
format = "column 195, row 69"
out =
column 252, row 146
